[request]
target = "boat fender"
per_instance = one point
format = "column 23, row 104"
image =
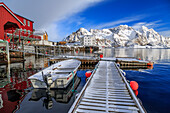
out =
column 124, row 74
column 88, row 74
column 150, row 64
column 50, row 81
column 77, row 95
column 134, row 85
column 101, row 55
column 87, row 79
column 136, row 92
column 118, row 65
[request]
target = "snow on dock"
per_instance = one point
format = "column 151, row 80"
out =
column 123, row 59
column 106, row 91
column 87, row 60
column 75, row 57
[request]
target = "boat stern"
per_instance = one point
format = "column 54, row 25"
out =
column 38, row 84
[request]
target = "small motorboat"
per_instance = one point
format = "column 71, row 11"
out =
column 59, row 95
column 59, row 75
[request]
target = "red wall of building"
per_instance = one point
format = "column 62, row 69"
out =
column 5, row 17
column 26, row 26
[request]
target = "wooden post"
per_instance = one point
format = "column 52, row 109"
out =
column 8, row 72
column 8, row 59
column 24, row 66
column 7, row 52
column 37, row 51
column 23, row 53
column 59, row 50
column 13, row 38
column 19, row 37
column 54, row 51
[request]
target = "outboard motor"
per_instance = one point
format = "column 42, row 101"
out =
column 47, row 79
column 48, row 102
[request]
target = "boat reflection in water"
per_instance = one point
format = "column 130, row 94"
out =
column 59, row 95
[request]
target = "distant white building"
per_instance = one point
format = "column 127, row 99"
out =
column 44, row 38
column 88, row 40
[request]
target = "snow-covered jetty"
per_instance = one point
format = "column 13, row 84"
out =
column 107, row 90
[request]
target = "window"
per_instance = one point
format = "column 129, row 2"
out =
column 24, row 21
column 25, row 30
column 28, row 31
column 28, row 23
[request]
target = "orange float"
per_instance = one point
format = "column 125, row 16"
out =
column 88, row 74
column 101, row 55
column 150, row 64
column 134, row 85
column 136, row 92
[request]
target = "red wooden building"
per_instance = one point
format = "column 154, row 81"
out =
column 14, row 26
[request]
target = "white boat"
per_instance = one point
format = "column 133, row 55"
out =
column 59, row 75
column 60, row 95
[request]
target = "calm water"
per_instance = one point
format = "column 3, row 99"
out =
column 154, row 84
column 16, row 94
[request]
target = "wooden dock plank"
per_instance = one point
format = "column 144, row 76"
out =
column 110, row 106
column 94, row 108
column 111, row 99
column 110, row 102
column 112, row 96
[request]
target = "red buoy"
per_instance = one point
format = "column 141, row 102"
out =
column 88, row 74
column 139, row 58
column 101, row 55
column 8, row 40
column 150, row 67
column 150, row 64
column 136, row 92
column 134, row 85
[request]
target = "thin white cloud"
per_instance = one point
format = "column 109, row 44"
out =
column 120, row 21
column 153, row 24
column 165, row 33
column 45, row 13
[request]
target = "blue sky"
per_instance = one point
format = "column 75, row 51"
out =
column 62, row 17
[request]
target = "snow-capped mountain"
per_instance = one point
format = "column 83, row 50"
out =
column 75, row 36
column 121, row 36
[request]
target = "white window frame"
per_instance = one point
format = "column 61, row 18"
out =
column 25, row 22
column 28, row 23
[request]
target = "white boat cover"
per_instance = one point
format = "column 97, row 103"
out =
column 61, row 69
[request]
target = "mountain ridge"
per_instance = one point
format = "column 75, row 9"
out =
column 122, row 36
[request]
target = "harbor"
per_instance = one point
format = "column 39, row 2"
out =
column 41, row 62
column 78, row 57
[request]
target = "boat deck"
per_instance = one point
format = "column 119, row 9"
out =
column 107, row 91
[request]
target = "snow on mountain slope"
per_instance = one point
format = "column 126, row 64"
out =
column 101, row 34
column 121, row 36
column 75, row 36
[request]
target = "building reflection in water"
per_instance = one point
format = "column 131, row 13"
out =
column 14, row 81
column 13, row 92
column 144, row 54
